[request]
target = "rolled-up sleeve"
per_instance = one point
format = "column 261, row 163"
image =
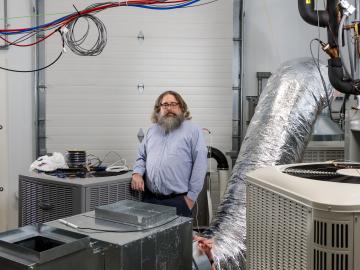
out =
column 140, row 163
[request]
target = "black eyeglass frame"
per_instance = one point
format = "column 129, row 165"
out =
column 169, row 105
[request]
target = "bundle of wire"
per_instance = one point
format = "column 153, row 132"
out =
column 66, row 25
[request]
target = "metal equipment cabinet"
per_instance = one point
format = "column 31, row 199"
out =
column 43, row 198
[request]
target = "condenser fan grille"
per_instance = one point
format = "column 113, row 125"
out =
column 108, row 194
column 43, row 202
column 325, row 172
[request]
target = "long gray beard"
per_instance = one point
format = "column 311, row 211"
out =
column 170, row 123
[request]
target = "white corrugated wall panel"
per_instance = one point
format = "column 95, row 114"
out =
column 92, row 103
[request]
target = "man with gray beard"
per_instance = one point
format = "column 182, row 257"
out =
column 172, row 159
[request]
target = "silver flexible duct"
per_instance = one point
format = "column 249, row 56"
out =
column 278, row 134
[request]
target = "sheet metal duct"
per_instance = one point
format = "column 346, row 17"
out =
column 278, row 134
column 127, row 235
column 326, row 130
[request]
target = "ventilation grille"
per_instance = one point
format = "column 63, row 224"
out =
column 112, row 193
column 322, row 155
column 44, row 202
column 277, row 231
column 320, row 233
column 333, row 242
column 339, row 235
column 339, row 262
column 336, row 261
column 320, row 260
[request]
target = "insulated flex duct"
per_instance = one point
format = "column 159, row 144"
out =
column 278, row 134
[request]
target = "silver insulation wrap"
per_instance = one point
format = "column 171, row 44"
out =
column 278, row 134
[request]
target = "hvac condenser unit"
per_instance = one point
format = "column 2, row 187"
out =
column 43, row 198
column 321, row 151
column 304, row 216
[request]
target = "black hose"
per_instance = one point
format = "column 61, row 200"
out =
column 336, row 77
column 322, row 18
column 333, row 25
column 311, row 16
column 219, row 157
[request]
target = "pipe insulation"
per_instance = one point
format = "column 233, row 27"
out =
column 311, row 16
column 278, row 134
column 222, row 168
column 219, row 157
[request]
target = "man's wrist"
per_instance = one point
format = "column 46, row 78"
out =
column 138, row 170
column 192, row 196
column 189, row 202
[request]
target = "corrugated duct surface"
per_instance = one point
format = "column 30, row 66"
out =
column 278, row 134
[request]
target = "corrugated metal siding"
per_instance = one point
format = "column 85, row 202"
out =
column 93, row 102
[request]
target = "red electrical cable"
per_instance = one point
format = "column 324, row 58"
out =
column 78, row 14
column 100, row 8
column 27, row 45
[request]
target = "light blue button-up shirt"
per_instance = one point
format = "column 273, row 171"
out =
column 175, row 162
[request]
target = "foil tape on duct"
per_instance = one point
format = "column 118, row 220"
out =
column 278, row 134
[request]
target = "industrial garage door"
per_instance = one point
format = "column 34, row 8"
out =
column 100, row 103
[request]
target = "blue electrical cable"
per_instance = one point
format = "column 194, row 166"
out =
column 37, row 27
column 165, row 8
column 67, row 16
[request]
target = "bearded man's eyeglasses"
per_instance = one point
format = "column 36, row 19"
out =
column 169, row 105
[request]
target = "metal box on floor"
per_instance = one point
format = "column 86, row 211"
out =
column 167, row 245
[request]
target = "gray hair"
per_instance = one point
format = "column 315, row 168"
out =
column 182, row 104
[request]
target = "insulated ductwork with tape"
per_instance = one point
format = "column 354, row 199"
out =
column 278, row 134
